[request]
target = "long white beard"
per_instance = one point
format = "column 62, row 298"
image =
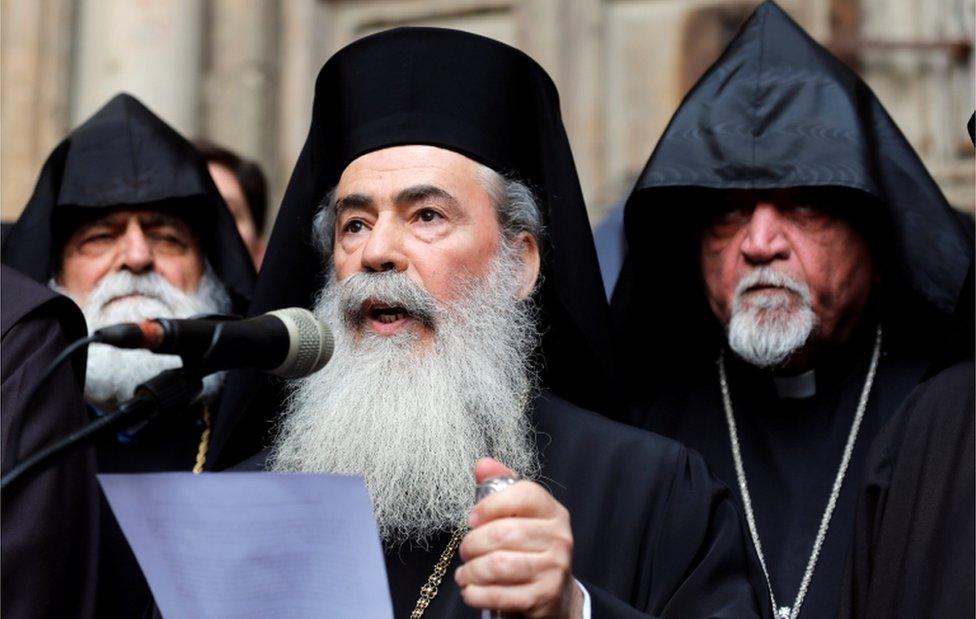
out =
column 765, row 330
column 412, row 416
column 113, row 373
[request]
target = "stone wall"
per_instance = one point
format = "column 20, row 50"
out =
column 241, row 72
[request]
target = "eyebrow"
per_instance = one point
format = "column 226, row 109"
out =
column 410, row 195
column 420, row 193
column 150, row 219
column 162, row 219
column 353, row 200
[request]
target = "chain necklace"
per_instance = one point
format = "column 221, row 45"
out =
column 787, row 612
column 204, row 442
column 429, row 590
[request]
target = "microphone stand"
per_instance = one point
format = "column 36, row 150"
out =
column 166, row 393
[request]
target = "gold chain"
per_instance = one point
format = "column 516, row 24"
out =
column 429, row 591
column 204, row 442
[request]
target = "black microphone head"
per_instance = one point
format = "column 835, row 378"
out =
column 310, row 343
column 124, row 335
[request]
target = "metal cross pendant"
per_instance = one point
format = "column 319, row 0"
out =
column 783, row 612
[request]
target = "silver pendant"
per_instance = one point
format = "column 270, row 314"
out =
column 783, row 612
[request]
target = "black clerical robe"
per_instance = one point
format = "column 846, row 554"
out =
column 50, row 519
column 654, row 533
column 914, row 548
column 791, row 450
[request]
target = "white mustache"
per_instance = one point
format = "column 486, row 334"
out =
column 389, row 288
column 767, row 276
column 124, row 283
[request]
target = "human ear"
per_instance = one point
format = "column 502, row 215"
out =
column 531, row 262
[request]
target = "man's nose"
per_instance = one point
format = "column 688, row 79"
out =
column 765, row 239
column 137, row 254
column 383, row 249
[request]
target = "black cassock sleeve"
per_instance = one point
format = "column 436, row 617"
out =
column 50, row 521
column 914, row 543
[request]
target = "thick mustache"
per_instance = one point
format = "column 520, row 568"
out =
column 360, row 293
column 766, row 277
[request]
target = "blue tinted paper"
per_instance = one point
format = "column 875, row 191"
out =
column 269, row 545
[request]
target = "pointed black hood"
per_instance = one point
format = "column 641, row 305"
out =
column 473, row 95
column 125, row 156
column 777, row 111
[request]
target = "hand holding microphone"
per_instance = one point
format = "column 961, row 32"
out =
column 518, row 554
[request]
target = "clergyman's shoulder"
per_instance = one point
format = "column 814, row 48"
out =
column 584, row 429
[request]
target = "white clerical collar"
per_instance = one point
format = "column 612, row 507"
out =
column 797, row 387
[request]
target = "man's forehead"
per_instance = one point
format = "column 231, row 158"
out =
column 786, row 196
column 409, row 163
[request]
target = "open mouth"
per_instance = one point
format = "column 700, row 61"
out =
column 385, row 317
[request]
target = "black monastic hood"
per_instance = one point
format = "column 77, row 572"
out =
column 472, row 95
column 125, row 156
column 777, row 110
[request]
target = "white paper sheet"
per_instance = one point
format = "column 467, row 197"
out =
column 268, row 545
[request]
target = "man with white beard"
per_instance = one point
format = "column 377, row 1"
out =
column 126, row 221
column 466, row 305
column 796, row 272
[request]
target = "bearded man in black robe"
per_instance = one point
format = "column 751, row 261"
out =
column 126, row 221
column 793, row 273
column 451, row 231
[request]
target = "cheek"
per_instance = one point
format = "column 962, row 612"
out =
column 839, row 271
column 185, row 273
column 80, row 276
column 342, row 263
column 718, row 264
column 443, row 269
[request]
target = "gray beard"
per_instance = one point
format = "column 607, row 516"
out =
column 411, row 416
column 767, row 328
column 113, row 374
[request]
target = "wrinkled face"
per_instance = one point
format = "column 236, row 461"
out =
column 232, row 193
column 422, row 211
column 789, row 233
column 140, row 241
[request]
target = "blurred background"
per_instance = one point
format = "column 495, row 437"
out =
column 241, row 73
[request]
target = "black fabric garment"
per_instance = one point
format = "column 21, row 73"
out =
column 914, row 548
column 654, row 533
column 162, row 447
column 126, row 157
column 778, row 111
column 791, row 449
column 49, row 520
column 469, row 94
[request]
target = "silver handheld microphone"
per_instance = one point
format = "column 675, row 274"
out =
column 491, row 486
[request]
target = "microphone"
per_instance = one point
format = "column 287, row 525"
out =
column 289, row 342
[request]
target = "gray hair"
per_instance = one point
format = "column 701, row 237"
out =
column 515, row 203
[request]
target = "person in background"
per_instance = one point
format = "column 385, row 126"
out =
column 51, row 519
column 914, row 547
column 243, row 186
column 793, row 272
column 126, row 221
